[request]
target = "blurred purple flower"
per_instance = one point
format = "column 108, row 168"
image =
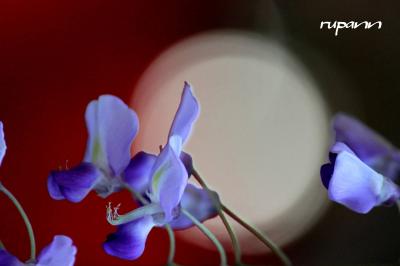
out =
column 60, row 252
column 353, row 183
column 164, row 181
column 112, row 127
column 369, row 146
column 3, row 146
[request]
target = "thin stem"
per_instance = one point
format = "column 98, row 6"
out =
column 135, row 194
column 232, row 235
column 2, row 245
column 208, row 233
column 24, row 217
column 263, row 238
column 171, row 236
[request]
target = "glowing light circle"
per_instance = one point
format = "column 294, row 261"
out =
column 261, row 136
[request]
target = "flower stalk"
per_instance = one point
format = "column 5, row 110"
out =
column 172, row 245
column 210, row 236
column 25, row 218
column 262, row 237
column 232, row 235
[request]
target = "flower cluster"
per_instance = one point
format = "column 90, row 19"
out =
column 161, row 181
column 363, row 167
column 60, row 252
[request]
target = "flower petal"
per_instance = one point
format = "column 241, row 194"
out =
column 128, row 242
column 138, row 173
column 6, row 259
column 187, row 113
column 197, row 202
column 3, row 146
column 169, row 179
column 60, row 252
column 73, row 184
column 326, row 172
column 112, row 126
column 357, row 186
column 339, row 147
column 369, row 146
column 187, row 162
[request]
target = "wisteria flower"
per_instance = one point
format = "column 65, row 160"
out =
column 167, row 189
column 3, row 146
column 60, row 252
column 353, row 183
column 369, row 146
column 112, row 127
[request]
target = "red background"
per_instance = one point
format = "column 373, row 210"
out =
column 56, row 56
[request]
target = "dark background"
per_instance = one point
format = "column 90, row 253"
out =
column 56, row 56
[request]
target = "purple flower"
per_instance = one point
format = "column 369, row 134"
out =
column 3, row 146
column 60, row 252
column 112, row 127
column 353, row 183
column 369, row 147
column 164, row 180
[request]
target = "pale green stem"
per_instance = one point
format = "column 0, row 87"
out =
column 171, row 236
column 24, row 217
column 232, row 235
column 137, row 195
column 210, row 236
column 263, row 238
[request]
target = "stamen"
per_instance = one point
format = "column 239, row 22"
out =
column 114, row 218
column 112, row 212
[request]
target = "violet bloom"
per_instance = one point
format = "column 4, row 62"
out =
column 3, row 146
column 112, row 127
column 60, row 252
column 369, row 146
column 167, row 189
column 350, row 180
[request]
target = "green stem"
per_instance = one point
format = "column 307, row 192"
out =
column 171, row 236
column 232, row 235
column 263, row 238
column 2, row 245
column 208, row 233
column 137, row 195
column 24, row 217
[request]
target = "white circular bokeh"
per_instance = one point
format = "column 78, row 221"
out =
column 261, row 136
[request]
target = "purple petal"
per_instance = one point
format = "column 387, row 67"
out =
column 187, row 113
column 369, row 146
column 60, row 252
column 339, row 147
column 357, row 186
column 6, row 259
column 128, row 242
column 112, row 126
column 137, row 174
column 73, row 184
column 199, row 203
column 3, row 146
column 169, row 179
column 187, row 162
column 326, row 174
